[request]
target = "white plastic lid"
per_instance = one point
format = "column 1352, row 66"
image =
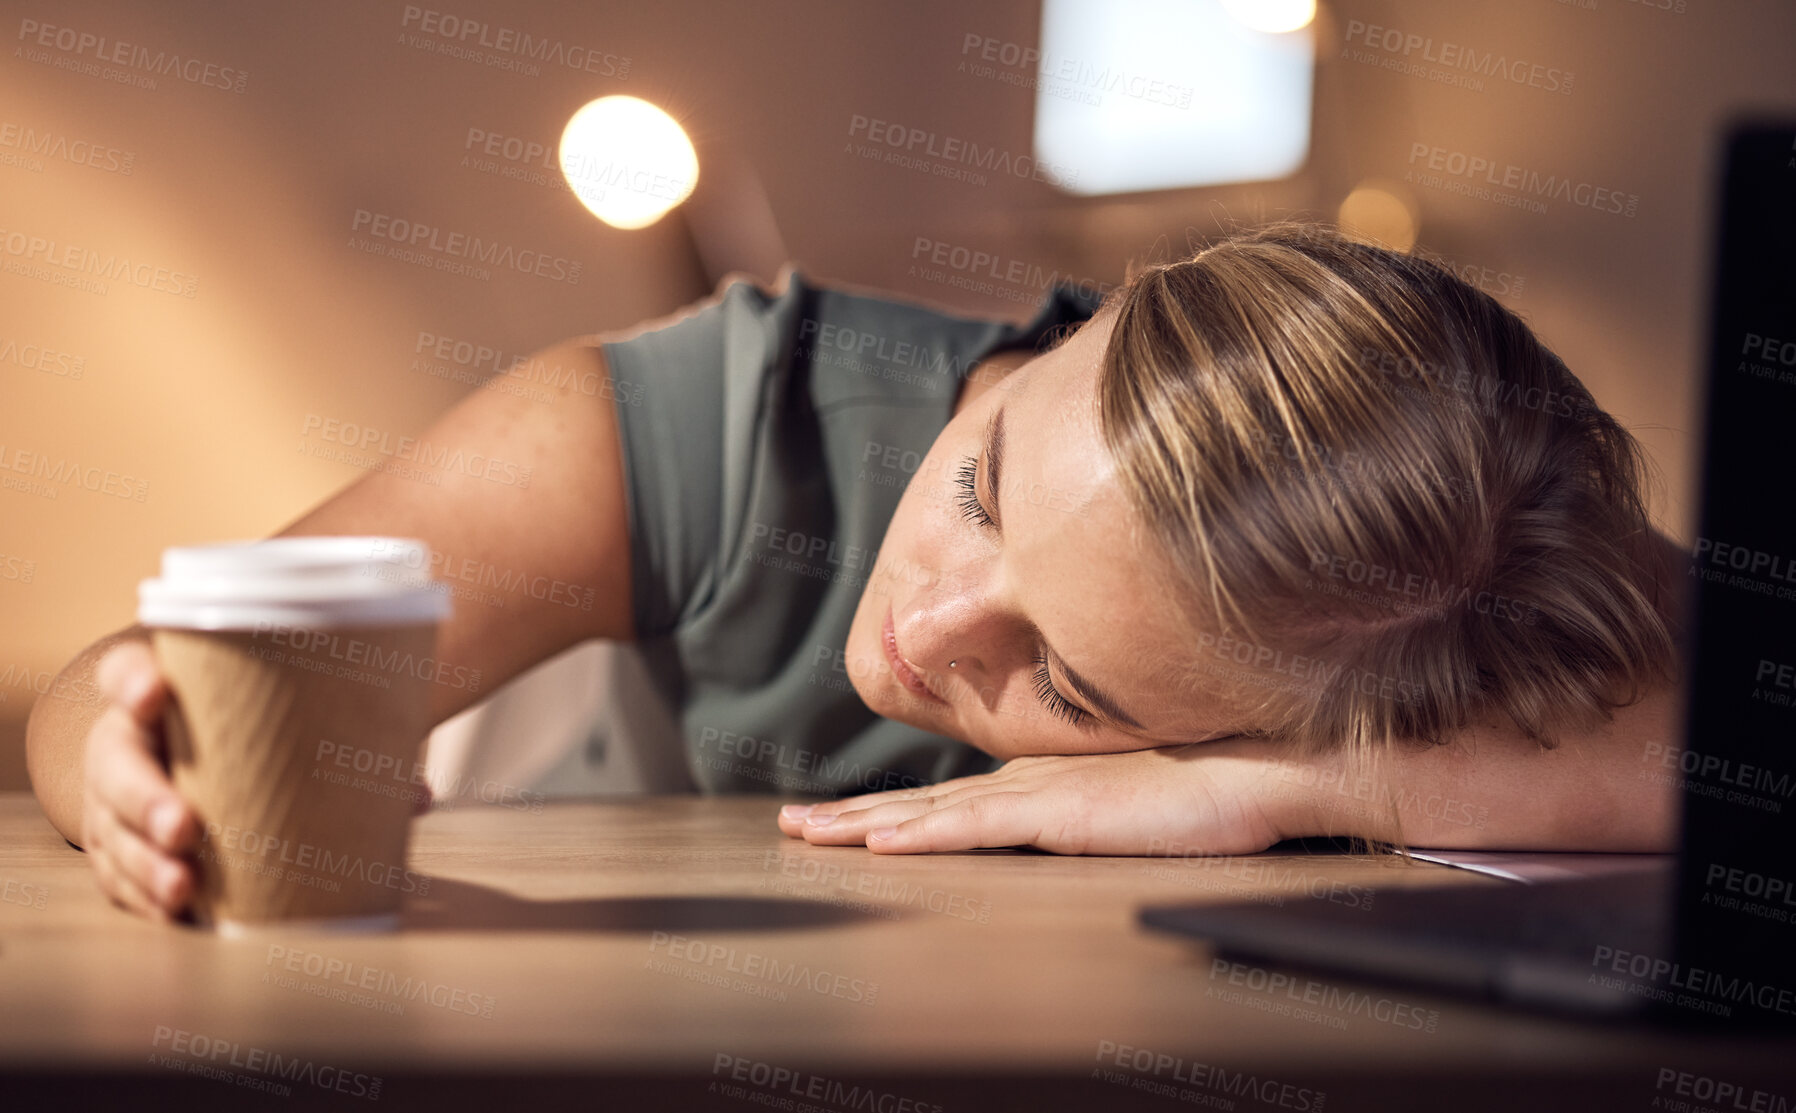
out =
column 294, row 581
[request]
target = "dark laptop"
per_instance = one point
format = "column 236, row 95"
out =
column 1711, row 940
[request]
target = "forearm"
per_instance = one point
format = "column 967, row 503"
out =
column 1490, row 788
column 56, row 734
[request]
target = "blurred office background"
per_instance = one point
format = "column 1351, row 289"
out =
column 241, row 180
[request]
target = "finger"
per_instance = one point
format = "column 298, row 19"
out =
column 426, row 799
column 990, row 819
column 938, row 791
column 129, row 894
column 794, row 818
column 850, row 828
column 129, row 676
column 791, row 819
column 875, row 799
column 127, row 780
column 162, row 876
column 121, row 890
column 162, row 879
column 849, row 824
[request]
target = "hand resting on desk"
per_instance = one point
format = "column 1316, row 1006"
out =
column 1486, row 788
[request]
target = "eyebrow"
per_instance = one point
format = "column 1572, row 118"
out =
column 1093, row 695
column 1083, row 688
column 994, row 462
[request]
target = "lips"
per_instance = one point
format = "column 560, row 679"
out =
column 900, row 669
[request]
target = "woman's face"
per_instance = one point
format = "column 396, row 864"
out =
column 1014, row 554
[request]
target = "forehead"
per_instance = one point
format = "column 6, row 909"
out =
column 1079, row 560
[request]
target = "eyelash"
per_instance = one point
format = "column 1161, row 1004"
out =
column 1058, row 705
column 969, row 495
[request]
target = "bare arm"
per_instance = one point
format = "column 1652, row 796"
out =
column 512, row 542
column 1492, row 789
column 1487, row 790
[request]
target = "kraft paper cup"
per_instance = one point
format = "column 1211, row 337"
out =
column 282, row 655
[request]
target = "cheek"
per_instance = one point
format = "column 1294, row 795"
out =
column 1016, row 725
column 1006, row 723
column 926, row 531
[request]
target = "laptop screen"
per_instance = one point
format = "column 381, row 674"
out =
column 1736, row 920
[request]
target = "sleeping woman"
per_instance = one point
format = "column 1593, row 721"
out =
column 1297, row 536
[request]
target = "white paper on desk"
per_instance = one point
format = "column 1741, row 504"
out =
column 1531, row 869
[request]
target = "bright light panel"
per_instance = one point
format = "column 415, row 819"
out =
column 1162, row 94
column 1272, row 15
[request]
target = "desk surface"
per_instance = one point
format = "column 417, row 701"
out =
column 683, row 952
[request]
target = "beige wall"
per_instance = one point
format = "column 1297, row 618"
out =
column 198, row 402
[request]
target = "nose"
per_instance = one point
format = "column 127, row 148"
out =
column 963, row 618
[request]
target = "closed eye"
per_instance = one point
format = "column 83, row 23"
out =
column 1058, row 705
column 967, row 479
column 968, row 499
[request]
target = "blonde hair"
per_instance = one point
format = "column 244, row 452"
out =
column 1386, row 506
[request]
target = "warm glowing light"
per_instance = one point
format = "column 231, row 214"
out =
column 627, row 161
column 1273, row 16
column 1381, row 212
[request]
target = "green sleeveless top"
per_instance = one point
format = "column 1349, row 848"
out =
column 766, row 440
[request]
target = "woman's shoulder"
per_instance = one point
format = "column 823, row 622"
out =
column 814, row 306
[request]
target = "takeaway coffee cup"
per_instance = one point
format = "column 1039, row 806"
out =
column 283, row 656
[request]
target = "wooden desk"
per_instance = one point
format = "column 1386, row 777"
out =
column 680, row 953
